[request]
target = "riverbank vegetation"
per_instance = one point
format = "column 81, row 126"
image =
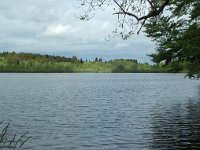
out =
column 28, row 62
column 9, row 141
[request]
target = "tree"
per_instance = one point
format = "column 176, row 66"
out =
column 173, row 24
column 81, row 61
column 129, row 12
column 74, row 60
column 178, row 37
column 96, row 59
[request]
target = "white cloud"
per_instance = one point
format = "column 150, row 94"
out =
column 53, row 26
column 56, row 30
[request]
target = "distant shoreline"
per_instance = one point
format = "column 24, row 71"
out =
column 11, row 62
column 92, row 72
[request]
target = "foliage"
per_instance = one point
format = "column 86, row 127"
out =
column 27, row 62
column 173, row 24
column 8, row 141
column 177, row 37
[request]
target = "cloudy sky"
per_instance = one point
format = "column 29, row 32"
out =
column 53, row 27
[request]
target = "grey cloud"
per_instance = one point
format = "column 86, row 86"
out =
column 52, row 26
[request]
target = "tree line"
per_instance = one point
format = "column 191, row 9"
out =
column 29, row 62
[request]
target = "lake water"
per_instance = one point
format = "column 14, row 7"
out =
column 102, row 111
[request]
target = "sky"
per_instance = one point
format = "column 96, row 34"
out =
column 53, row 27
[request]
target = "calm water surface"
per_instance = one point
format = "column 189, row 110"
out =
column 102, row 111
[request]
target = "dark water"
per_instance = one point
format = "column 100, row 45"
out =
column 103, row 111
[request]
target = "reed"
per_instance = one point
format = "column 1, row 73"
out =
column 9, row 141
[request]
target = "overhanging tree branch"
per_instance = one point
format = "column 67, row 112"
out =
column 152, row 13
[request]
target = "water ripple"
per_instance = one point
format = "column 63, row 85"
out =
column 103, row 111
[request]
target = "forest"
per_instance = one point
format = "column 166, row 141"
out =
column 37, row 63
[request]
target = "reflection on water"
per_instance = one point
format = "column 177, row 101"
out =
column 177, row 127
